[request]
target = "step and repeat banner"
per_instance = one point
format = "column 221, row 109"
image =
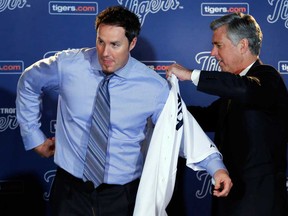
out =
column 172, row 31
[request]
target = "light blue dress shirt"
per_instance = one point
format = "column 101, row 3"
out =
column 136, row 94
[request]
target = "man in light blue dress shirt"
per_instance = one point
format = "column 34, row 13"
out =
column 137, row 93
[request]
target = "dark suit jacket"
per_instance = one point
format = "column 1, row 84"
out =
column 250, row 124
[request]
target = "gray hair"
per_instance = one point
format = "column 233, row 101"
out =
column 240, row 26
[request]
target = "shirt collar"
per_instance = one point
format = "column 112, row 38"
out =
column 126, row 69
column 243, row 73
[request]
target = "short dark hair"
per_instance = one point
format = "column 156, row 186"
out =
column 122, row 17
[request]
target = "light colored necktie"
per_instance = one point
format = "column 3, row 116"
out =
column 97, row 145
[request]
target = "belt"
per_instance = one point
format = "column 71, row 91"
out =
column 88, row 186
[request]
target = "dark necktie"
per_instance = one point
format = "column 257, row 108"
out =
column 97, row 145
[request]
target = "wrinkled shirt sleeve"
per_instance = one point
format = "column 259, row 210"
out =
column 36, row 79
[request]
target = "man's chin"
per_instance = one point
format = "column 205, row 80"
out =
column 108, row 69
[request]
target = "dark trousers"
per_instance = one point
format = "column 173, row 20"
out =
column 71, row 196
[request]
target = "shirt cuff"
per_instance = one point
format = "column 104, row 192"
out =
column 212, row 163
column 33, row 139
column 195, row 76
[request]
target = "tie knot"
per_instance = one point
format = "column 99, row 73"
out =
column 108, row 76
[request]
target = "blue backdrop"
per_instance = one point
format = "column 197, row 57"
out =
column 172, row 31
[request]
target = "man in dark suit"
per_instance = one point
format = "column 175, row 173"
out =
column 249, row 118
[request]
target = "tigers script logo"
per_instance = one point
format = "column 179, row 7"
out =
column 49, row 178
column 143, row 8
column 12, row 4
column 280, row 11
column 208, row 62
column 8, row 119
column 206, row 186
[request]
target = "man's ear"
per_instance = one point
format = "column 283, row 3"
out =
column 133, row 43
column 244, row 45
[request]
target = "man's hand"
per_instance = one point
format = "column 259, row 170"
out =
column 179, row 71
column 223, row 183
column 47, row 148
